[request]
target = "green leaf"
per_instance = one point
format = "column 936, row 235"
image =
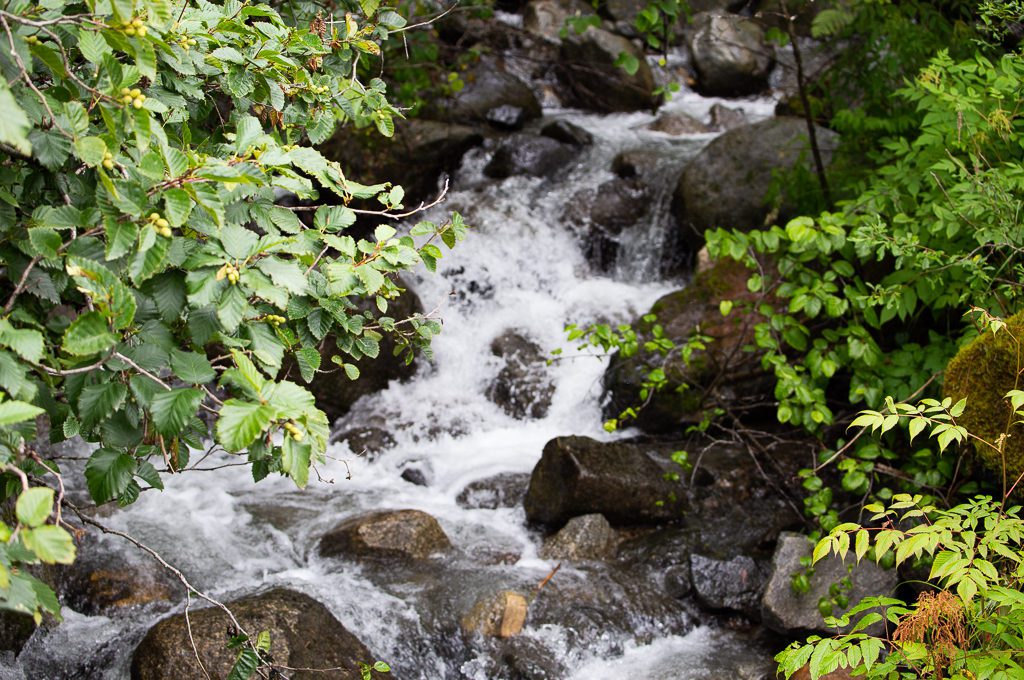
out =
column 17, row 411
column 177, row 206
column 295, row 457
column 371, row 278
column 174, row 409
column 245, row 665
column 88, row 335
column 34, row 506
column 52, row 544
column 240, row 422
column 14, row 124
column 91, row 150
column 26, row 343
column 232, row 308
column 192, row 367
column 308, row 360
column 285, row 273
column 97, row 402
column 108, row 473
column 45, row 241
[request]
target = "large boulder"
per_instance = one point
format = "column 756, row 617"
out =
column 983, row 372
column 522, row 388
column 335, row 393
column 547, row 17
column 722, row 372
column 601, row 214
column 592, row 80
column 403, row 534
column 727, row 183
column 494, row 97
column 416, row 156
column 588, row 537
column 303, row 634
column 730, row 54
column 621, row 480
column 523, row 154
column 784, row 611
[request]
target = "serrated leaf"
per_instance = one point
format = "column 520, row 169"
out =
column 177, row 206
column 173, row 410
column 108, row 473
column 52, row 544
column 88, row 335
column 14, row 123
column 17, row 412
column 97, row 402
column 192, row 367
column 295, row 458
column 90, row 150
column 232, row 308
column 308, row 360
column 371, row 279
column 285, row 273
column 240, row 422
column 34, row 506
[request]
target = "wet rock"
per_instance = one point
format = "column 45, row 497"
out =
column 369, row 441
column 730, row 54
column 415, row 476
column 500, row 615
column 419, row 153
column 786, row 612
column 727, row 585
column 727, row 183
column 505, row 490
column 592, row 80
column 579, row 476
column 602, row 214
column 304, row 633
column 15, row 630
column 588, row 537
column 522, row 387
column 678, row 124
column 636, row 163
column 119, row 587
column 523, row 154
column 335, row 393
column 567, row 133
column 722, row 372
column 678, row 581
column 494, row 97
column 724, row 118
column 409, row 534
column 547, row 17
column 530, row 659
column 659, row 548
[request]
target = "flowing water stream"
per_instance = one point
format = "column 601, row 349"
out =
column 521, row 268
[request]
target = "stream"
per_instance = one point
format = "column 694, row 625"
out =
column 520, row 268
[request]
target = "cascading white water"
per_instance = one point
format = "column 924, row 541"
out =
column 520, row 268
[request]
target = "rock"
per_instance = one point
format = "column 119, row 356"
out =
column 724, row 118
column 678, row 124
column 416, row 157
column 678, row 581
column 522, row 388
column 982, row 372
column 727, row 183
column 495, row 97
column 722, row 372
column 786, row 612
column 501, row 615
column 637, row 163
column 592, row 80
column 369, row 441
column 602, row 214
column 304, row 634
column 335, row 393
column 588, row 537
column 409, row 534
column 15, row 630
column 505, row 490
column 727, row 585
column 567, row 133
column 415, row 476
column 530, row 659
column 730, row 54
column 547, row 17
column 523, row 154
column 579, row 476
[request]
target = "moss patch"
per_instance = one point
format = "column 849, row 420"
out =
column 983, row 372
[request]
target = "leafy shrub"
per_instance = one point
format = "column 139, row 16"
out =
column 154, row 286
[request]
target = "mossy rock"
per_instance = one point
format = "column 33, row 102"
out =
column 983, row 372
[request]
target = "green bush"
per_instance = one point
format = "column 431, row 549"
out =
column 153, row 286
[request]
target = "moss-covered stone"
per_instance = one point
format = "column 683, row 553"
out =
column 983, row 372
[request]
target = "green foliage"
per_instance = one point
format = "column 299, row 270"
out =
column 155, row 292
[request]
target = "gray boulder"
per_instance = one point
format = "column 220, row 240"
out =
column 304, row 633
column 365, row 440
column 495, row 97
column 727, row 183
column 505, row 490
column 522, row 154
column 786, row 612
column 547, row 17
column 592, row 81
column 733, row 584
column 522, row 388
column 725, row 118
column 730, row 54
column 404, row 534
column 620, row 480
column 602, row 214
column 677, row 124
column 588, row 537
